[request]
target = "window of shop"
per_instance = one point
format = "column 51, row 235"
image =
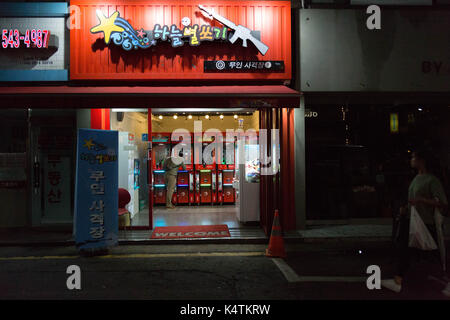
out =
column 13, row 165
column 358, row 156
column 133, row 127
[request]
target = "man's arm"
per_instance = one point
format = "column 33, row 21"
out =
column 429, row 202
column 438, row 200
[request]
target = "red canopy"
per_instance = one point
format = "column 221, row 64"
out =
column 148, row 97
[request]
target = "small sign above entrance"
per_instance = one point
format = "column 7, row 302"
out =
column 243, row 66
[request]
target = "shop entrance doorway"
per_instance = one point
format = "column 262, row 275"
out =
column 213, row 187
column 219, row 190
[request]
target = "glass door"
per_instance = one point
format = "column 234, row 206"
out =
column 132, row 125
column 52, row 160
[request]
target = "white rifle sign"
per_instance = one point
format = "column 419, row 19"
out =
column 240, row 32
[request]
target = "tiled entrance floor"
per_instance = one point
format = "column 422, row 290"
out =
column 189, row 216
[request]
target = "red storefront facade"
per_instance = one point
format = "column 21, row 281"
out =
column 179, row 54
column 94, row 59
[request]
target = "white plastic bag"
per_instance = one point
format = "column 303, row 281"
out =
column 419, row 236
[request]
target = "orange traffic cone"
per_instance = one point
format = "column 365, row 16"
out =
column 276, row 243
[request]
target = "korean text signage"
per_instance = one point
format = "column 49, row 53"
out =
column 96, row 195
column 172, row 40
column 56, row 170
column 244, row 66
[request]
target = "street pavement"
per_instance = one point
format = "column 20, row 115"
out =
column 316, row 271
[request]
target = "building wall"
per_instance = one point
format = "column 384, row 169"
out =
column 13, row 166
column 340, row 54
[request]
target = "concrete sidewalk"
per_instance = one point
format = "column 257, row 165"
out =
column 248, row 235
column 347, row 232
column 48, row 237
column 41, row 237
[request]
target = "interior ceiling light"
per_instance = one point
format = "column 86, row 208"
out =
column 175, row 116
column 207, row 116
column 189, row 117
column 235, row 116
column 160, row 117
column 221, row 116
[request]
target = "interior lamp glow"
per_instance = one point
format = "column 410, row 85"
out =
column 221, row 116
column 189, row 117
column 160, row 117
column 235, row 116
column 207, row 116
column 175, row 116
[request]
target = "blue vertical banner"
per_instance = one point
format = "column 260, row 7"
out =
column 96, row 189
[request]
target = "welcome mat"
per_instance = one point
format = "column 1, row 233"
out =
column 215, row 231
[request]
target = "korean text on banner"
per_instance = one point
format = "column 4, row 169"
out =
column 96, row 189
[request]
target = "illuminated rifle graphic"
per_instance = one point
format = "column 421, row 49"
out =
column 240, row 32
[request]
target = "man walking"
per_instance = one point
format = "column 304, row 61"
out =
column 171, row 165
